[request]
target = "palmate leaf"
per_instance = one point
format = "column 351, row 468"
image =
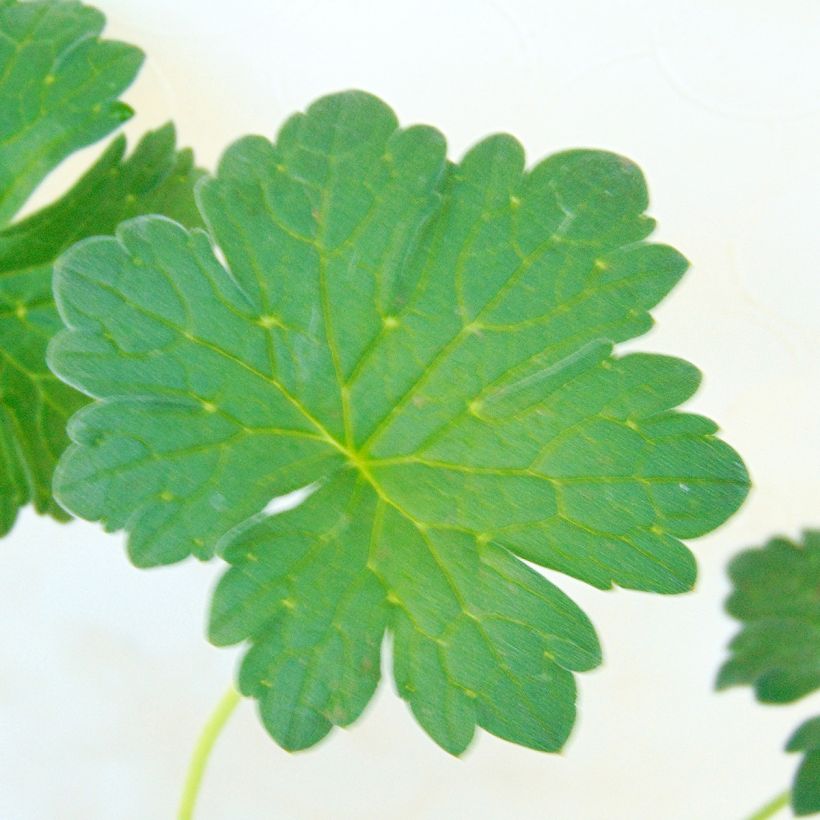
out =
column 775, row 596
column 428, row 346
column 58, row 89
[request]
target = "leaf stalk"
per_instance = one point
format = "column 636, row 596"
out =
column 202, row 751
column 772, row 807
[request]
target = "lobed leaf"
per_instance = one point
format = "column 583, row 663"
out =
column 775, row 596
column 428, row 346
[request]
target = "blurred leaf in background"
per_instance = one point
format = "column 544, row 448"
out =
column 776, row 596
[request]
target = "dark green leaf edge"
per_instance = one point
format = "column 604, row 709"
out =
column 34, row 405
column 805, row 795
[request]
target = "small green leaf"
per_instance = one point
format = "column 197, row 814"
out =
column 428, row 347
column 806, row 786
column 58, row 89
column 775, row 596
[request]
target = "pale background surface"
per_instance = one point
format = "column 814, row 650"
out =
column 106, row 678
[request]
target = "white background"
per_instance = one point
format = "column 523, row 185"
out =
column 106, row 678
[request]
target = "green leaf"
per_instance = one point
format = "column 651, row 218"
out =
column 427, row 347
column 775, row 596
column 806, row 787
column 59, row 85
column 58, row 88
